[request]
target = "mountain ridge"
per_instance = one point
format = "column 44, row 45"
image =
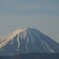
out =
column 28, row 40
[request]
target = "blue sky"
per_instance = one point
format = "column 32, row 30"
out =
column 40, row 14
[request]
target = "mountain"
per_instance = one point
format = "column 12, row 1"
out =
column 28, row 40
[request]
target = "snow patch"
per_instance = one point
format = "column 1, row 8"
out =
column 47, row 46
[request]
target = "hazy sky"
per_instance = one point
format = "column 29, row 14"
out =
column 40, row 14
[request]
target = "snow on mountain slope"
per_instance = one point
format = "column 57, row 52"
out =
column 10, row 36
column 26, row 41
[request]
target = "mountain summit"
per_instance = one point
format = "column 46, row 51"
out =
column 28, row 40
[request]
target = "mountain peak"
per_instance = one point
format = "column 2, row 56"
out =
column 18, row 31
column 28, row 40
column 12, row 35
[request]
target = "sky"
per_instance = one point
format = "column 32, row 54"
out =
column 40, row 14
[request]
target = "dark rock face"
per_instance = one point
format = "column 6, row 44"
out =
column 32, row 56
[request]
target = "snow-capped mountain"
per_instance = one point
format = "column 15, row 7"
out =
column 27, row 40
